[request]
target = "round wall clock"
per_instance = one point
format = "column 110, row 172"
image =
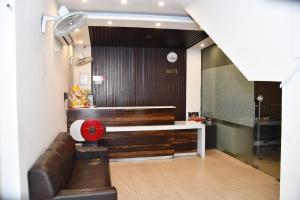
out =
column 172, row 57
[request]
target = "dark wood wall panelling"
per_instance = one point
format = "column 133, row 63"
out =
column 134, row 62
column 135, row 76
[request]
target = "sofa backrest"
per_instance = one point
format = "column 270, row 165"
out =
column 52, row 170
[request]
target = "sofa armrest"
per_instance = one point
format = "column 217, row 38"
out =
column 88, row 194
column 84, row 153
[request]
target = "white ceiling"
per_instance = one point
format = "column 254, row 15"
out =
column 136, row 13
column 171, row 7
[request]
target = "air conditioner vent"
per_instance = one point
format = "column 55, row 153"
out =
column 66, row 40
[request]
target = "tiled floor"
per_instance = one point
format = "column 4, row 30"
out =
column 217, row 177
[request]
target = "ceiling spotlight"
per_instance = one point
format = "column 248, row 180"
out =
column 109, row 22
column 80, row 42
column 202, row 45
column 77, row 30
column 123, row 2
column 161, row 3
column 84, row 1
column 157, row 24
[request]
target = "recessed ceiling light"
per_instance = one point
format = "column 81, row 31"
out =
column 202, row 45
column 77, row 30
column 161, row 3
column 109, row 22
column 84, row 1
column 157, row 24
column 80, row 41
column 123, row 2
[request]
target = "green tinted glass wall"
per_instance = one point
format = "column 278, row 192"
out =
column 228, row 98
column 226, row 94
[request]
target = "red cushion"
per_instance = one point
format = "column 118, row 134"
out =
column 92, row 130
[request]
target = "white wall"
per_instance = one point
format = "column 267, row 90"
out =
column 42, row 78
column 256, row 35
column 290, row 139
column 193, row 80
column 9, row 144
column 261, row 37
column 82, row 69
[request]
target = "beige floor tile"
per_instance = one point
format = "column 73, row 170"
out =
column 256, row 193
column 202, row 195
column 122, row 181
column 151, row 183
column 216, row 177
column 126, row 194
column 143, row 196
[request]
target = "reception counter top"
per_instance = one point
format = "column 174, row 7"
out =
column 124, row 108
column 178, row 125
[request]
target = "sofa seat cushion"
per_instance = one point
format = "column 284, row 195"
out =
column 89, row 174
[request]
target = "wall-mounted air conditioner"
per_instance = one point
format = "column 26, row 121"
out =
column 66, row 40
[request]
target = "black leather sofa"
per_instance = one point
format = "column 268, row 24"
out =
column 65, row 171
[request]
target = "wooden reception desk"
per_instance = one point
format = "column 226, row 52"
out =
column 143, row 131
column 125, row 116
column 157, row 140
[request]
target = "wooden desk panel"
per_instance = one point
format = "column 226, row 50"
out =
column 123, row 116
column 185, row 141
column 138, row 143
column 149, row 143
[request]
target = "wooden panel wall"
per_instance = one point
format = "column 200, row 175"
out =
column 136, row 77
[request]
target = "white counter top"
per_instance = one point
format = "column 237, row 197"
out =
column 125, row 108
column 179, row 125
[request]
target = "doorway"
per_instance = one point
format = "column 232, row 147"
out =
column 267, row 129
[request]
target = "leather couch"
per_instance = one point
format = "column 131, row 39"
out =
column 65, row 171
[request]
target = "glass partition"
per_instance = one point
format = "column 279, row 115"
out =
column 229, row 99
column 227, row 95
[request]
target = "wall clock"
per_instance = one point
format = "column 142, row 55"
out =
column 172, row 57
